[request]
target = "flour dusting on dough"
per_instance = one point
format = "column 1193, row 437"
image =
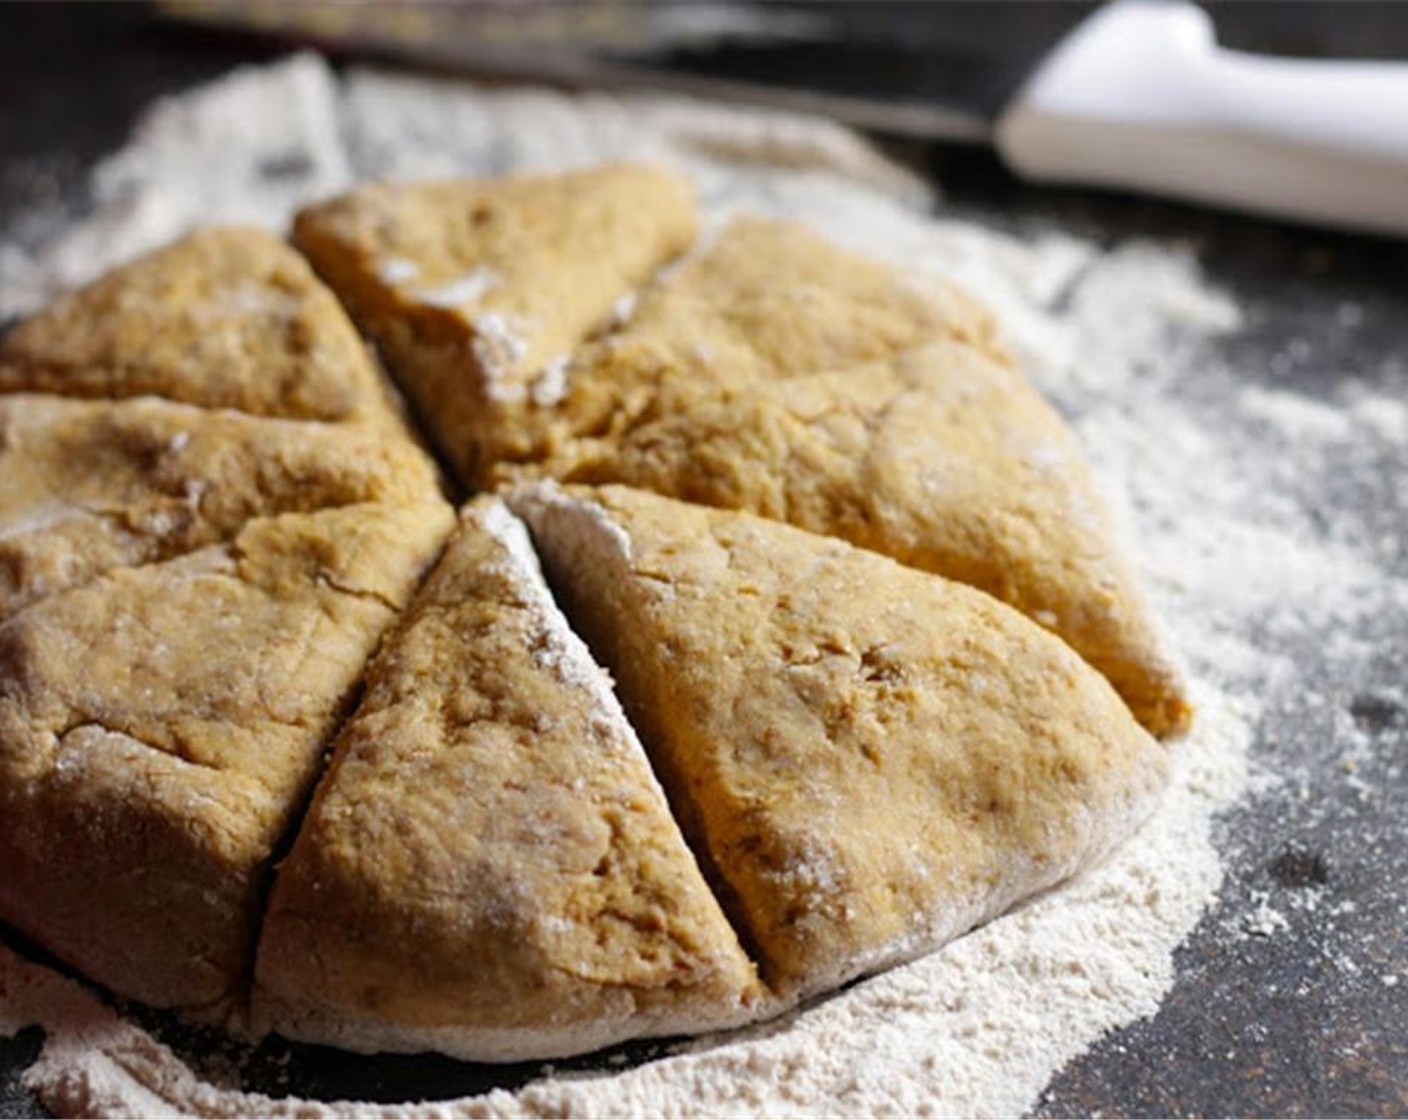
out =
column 468, row 289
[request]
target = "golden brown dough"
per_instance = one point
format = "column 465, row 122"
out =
column 874, row 758
column 943, row 459
column 766, row 299
column 160, row 728
column 228, row 317
column 490, row 869
column 477, row 292
column 93, row 485
column 861, row 759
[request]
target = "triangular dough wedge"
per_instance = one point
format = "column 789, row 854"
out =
column 161, row 728
column 477, row 292
column 941, row 458
column 765, row 299
column 873, row 758
column 93, row 485
column 490, row 868
column 228, row 317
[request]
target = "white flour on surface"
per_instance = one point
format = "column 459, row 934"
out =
column 980, row 1027
column 249, row 148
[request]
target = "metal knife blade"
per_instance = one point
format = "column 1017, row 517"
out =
column 931, row 71
column 940, row 69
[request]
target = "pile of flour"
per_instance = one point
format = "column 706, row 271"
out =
column 980, row 1027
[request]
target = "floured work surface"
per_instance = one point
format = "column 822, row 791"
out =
column 820, row 1016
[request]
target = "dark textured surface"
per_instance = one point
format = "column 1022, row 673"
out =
column 1304, row 1022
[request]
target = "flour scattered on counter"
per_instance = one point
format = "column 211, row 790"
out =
column 980, row 1027
column 249, row 148
column 1296, row 415
column 1265, row 920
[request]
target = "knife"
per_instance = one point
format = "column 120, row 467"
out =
column 1136, row 95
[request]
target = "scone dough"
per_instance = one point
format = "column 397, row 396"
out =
column 478, row 293
column 211, row 512
column 95, row 485
column 764, row 299
column 942, row 458
column 228, row 317
column 697, row 391
column 214, row 536
column 490, row 869
column 161, row 727
column 873, row 758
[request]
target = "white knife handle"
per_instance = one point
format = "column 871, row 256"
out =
column 1140, row 96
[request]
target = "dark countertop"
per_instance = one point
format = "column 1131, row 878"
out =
column 1253, row 1025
